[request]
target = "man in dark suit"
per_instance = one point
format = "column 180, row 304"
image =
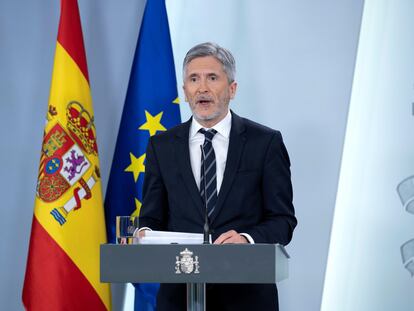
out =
column 242, row 171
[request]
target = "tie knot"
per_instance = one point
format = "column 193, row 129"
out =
column 209, row 134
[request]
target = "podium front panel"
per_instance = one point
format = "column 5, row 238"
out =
column 177, row 263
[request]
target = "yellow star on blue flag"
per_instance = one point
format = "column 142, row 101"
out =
column 153, row 123
column 136, row 166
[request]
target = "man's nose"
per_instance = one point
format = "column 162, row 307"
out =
column 203, row 87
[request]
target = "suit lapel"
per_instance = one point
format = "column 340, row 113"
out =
column 183, row 159
column 236, row 145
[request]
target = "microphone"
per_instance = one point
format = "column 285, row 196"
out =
column 206, row 228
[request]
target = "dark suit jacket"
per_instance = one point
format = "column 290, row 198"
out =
column 255, row 198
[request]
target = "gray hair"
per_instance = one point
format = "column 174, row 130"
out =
column 223, row 55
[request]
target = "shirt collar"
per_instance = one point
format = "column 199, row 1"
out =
column 223, row 127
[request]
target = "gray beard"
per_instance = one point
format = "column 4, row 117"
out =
column 207, row 118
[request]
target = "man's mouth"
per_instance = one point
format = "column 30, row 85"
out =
column 204, row 101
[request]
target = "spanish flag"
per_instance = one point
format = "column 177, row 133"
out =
column 68, row 226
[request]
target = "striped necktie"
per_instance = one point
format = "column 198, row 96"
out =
column 208, row 178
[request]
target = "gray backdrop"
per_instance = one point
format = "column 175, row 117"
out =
column 295, row 66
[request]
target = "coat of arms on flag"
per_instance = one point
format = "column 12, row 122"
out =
column 64, row 162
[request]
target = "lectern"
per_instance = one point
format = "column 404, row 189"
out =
column 194, row 265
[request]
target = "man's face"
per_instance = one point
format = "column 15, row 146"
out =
column 207, row 90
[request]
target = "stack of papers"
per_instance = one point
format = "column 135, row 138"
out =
column 168, row 237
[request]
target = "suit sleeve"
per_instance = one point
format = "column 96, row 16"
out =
column 278, row 219
column 154, row 206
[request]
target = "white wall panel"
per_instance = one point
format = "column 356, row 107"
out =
column 365, row 269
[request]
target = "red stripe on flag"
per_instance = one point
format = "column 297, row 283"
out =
column 53, row 281
column 70, row 34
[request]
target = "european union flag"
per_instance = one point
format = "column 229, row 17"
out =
column 151, row 105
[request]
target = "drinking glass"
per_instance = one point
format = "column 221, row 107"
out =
column 125, row 228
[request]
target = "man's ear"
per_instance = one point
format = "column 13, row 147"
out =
column 233, row 89
column 185, row 93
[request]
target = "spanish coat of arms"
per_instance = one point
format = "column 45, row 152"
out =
column 186, row 263
column 64, row 161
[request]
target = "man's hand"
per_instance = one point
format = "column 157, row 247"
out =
column 140, row 233
column 231, row 237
